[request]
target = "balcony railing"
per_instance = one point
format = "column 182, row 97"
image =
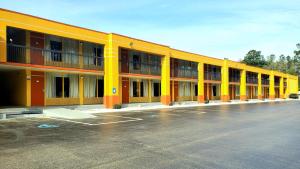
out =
column 265, row 81
column 234, row 79
column 251, row 80
column 38, row 56
column 216, row 76
column 140, row 68
column 185, row 73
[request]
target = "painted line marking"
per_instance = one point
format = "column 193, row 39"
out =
column 133, row 118
column 98, row 124
column 202, row 112
column 171, row 114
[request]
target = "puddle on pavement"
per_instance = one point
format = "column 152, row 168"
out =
column 47, row 126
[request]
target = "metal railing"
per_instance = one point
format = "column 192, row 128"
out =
column 234, row 79
column 212, row 76
column 140, row 68
column 252, row 80
column 185, row 73
column 265, row 81
column 39, row 56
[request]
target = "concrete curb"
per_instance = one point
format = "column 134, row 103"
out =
column 99, row 111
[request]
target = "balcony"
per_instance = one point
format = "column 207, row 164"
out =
column 140, row 68
column 265, row 81
column 185, row 73
column 252, row 80
column 235, row 79
column 215, row 76
column 39, row 56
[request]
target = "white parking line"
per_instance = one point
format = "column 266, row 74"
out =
column 202, row 112
column 98, row 124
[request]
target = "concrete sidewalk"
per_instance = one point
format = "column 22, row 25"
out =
column 153, row 106
column 88, row 111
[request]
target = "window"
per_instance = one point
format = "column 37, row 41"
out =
column 135, row 89
column 66, row 87
column 214, row 88
column 56, row 48
column 100, row 87
column 141, row 89
column 196, row 90
column 156, row 89
column 59, row 81
column 237, row 90
column 59, row 86
column 136, row 62
column 98, row 53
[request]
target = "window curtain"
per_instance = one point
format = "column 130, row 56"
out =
column 145, row 83
column 247, row 91
column 255, row 91
column 131, row 88
column 152, row 88
column 88, row 53
column 50, row 85
column 237, row 90
column 90, row 86
column 74, row 87
column 181, row 88
column 187, row 89
column 70, row 51
column 50, row 38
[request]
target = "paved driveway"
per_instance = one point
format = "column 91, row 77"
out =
column 264, row 135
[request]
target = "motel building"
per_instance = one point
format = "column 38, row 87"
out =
column 47, row 63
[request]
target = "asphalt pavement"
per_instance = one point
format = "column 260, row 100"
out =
column 248, row 136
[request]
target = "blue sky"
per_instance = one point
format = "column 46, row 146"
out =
column 217, row 28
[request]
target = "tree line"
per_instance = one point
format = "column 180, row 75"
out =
column 282, row 63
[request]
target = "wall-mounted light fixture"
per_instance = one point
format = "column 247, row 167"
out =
column 131, row 44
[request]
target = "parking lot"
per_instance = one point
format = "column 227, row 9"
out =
column 262, row 135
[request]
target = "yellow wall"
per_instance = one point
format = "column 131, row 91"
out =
column 293, row 85
column 113, row 42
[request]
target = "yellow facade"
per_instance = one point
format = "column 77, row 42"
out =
column 112, row 44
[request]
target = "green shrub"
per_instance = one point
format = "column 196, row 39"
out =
column 294, row 96
column 117, row 106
